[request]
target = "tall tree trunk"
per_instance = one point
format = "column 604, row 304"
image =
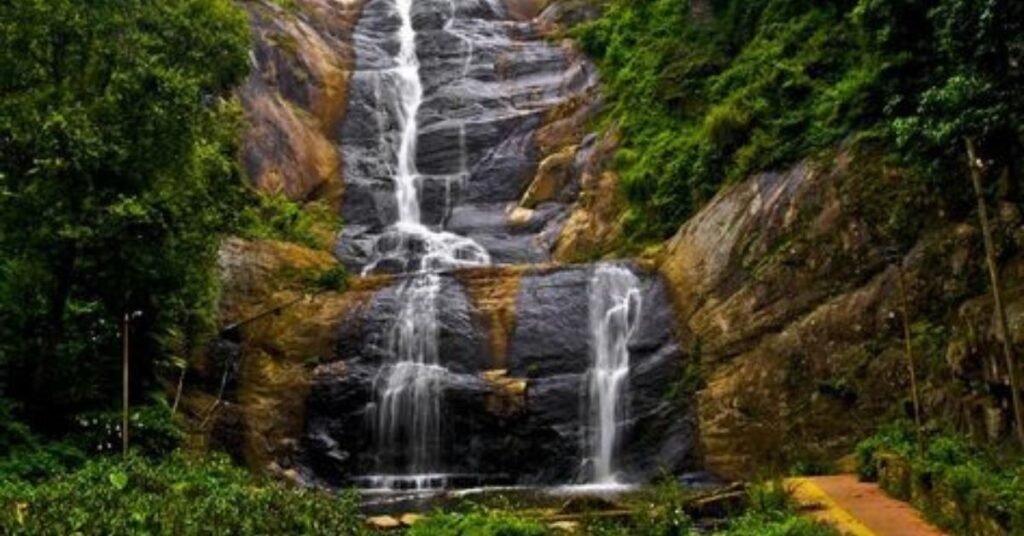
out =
column 178, row 391
column 909, row 349
column 977, row 172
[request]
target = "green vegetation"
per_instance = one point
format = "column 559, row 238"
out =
column 761, row 84
column 333, row 279
column 657, row 511
column 118, row 175
column 770, row 512
column 176, row 495
column 977, row 481
column 478, row 522
column 276, row 217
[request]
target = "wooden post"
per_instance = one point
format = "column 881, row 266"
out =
column 910, row 350
column 124, row 386
column 977, row 170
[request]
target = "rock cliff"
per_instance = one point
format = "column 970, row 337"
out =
column 791, row 292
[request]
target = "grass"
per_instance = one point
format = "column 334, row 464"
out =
column 478, row 522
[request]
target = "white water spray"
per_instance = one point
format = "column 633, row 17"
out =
column 614, row 315
column 408, row 411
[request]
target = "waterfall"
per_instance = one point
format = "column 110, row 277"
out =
column 418, row 247
column 407, row 408
column 614, row 315
column 408, row 412
column 410, row 92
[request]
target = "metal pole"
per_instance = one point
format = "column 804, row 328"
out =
column 124, row 387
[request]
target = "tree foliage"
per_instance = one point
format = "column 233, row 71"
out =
column 764, row 83
column 117, row 170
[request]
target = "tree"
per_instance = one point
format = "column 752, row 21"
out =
column 978, row 170
column 117, row 172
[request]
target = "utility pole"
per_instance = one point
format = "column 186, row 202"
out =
column 124, row 385
column 977, row 171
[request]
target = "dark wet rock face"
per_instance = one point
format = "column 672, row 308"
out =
column 489, row 83
column 540, row 439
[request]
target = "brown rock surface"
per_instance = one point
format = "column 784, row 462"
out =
column 593, row 226
column 296, row 96
column 785, row 287
column 264, row 404
column 553, row 174
column 493, row 291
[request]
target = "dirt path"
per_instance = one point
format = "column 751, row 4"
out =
column 858, row 508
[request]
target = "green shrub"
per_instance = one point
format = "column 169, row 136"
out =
column 897, row 438
column 178, row 496
column 776, row 524
column 981, row 481
column 770, row 497
column 36, row 462
column 477, row 522
column 333, row 279
column 151, row 430
column 275, row 217
column 772, row 512
column 660, row 511
column 25, row 456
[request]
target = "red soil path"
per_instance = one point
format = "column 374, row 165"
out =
column 858, row 508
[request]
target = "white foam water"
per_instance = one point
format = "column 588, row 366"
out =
column 614, row 316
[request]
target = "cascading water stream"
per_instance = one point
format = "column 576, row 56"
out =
column 418, row 247
column 408, row 412
column 614, row 315
column 410, row 91
column 409, row 390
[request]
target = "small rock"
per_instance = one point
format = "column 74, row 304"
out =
column 383, row 523
column 519, row 216
column 571, row 527
column 409, row 520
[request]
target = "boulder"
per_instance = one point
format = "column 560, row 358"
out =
column 552, row 177
column 383, row 523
